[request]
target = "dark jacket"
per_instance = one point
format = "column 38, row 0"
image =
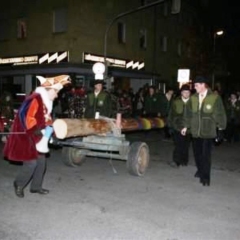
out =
column 233, row 111
column 151, row 105
column 164, row 105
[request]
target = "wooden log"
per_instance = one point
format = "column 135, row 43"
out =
column 129, row 124
column 67, row 127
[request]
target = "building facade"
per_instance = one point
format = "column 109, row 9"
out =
column 42, row 37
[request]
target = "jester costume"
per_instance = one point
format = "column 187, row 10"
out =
column 28, row 130
column 32, row 117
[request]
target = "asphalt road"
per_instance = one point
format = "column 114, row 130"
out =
column 92, row 202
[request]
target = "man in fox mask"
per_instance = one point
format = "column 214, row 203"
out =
column 30, row 133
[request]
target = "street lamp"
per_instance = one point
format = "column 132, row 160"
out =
column 217, row 33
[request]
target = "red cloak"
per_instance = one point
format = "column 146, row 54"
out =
column 28, row 122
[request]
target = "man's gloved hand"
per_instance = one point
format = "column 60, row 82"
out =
column 220, row 137
column 221, row 134
column 42, row 145
column 48, row 131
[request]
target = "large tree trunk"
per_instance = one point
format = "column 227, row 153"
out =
column 67, row 127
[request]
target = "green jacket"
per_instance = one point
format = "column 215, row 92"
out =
column 204, row 122
column 178, row 113
column 151, row 104
column 101, row 104
column 164, row 105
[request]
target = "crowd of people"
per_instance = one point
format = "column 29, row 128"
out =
column 198, row 115
column 148, row 101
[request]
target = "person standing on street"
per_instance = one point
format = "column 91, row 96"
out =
column 151, row 104
column 30, row 130
column 98, row 101
column 179, row 110
column 206, row 117
column 165, row 102
column 233, row 118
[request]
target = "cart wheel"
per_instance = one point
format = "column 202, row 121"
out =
column 138, row 158
column 72, row 157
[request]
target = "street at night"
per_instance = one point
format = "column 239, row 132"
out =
column 92, row 202
column 119, row 120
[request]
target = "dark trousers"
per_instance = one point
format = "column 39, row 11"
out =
column 181, row 149
column 232, row 131
column 202, row 153
column 32, row 171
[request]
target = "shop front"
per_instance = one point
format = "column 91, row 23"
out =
column 123, row 73
column 18, row 74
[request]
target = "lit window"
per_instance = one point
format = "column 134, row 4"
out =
column 121, row 32
column 60, row 20
column 21, row 28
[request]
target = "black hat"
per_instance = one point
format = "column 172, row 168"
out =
column 201, row 79
column 97, row 81
column 185, row 87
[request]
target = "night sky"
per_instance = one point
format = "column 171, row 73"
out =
column 225, row 15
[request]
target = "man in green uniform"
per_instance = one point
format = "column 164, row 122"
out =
column 151, row 104
column 206, row 116
column 98, row 101
column 165, row 102
column 179, row 110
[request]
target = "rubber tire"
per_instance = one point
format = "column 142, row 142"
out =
column 72, row 156
column 138, row 158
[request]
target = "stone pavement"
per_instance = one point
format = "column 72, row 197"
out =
column 91, row 202
column 224, row 157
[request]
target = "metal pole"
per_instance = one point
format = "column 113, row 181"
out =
column 214, row 43
column 214, row 49
column 120, row 16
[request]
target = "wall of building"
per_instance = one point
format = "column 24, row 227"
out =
column 86, row 25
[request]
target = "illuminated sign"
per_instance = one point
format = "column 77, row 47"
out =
column 19, row 60
column 113, row 62
column 183, row 75
column 37, row 59
column 54, row 57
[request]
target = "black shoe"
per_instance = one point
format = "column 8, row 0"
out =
column 18, row 190
column 41, row 191
column 205, row 182
column 197, row 175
